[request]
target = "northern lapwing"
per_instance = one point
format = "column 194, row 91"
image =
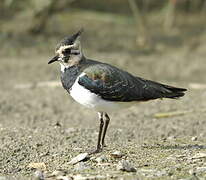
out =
column 103, row 87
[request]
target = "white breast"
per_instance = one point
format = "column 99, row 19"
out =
column 91, row 100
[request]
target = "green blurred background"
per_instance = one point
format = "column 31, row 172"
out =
column 153, row 38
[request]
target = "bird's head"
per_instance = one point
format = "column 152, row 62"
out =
column 68, row 50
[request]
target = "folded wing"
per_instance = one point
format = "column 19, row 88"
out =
column 113, row 84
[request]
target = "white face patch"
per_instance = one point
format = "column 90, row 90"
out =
column 75, row 45
column 63, row 66
column 62, row 48
column 72, row 58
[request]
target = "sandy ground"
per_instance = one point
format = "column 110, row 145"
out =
column 42, row 124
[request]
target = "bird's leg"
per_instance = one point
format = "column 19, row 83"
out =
column 100, row 131
column 99, row 146
column 105, row 129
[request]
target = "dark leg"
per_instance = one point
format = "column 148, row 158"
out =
column 99, row 147
column 105, row 128
column 100, row 131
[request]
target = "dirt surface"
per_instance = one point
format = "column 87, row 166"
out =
column 42, row 124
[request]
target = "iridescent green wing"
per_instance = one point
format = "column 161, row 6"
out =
column 113, row 84
column 108, row 82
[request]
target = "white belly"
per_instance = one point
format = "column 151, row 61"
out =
column 91, row 100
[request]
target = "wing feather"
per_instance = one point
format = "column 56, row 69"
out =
column 113, row 84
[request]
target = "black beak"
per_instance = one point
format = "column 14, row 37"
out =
column 55, row 58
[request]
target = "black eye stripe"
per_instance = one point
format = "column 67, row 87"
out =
column 75, row 53
column 67, row 51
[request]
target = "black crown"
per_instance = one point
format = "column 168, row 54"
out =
column 69, row 40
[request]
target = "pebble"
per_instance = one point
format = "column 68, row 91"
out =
column 153, row 172
column 199, row 155
column 170, row 138
column 58, row 173
column 38, row 175
column 125, row 165
column 41, row 165
column 101, row 159
column 194, row 138
column 198, row 170
column 161, row 173
column 63, row 178
column 191, row 171
column 79, row 158
column 70, row 130
column 81, row 166
column 117, row 154
column 80, row 177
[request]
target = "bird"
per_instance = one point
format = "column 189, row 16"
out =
column 104, row 87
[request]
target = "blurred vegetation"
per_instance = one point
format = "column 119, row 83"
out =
column 31, row 17
column 9, row 8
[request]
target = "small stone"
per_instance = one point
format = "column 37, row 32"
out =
column 194, row 138
column 153, row 172
column 161, row 173
column 39, row 175
column 80, row 177
column 117, row 154
column 191, row 171
column 70, row 130
column 124, row 165
column 199, row 170
column 101, row 159
column 63, row 178
column 57, row 124
column 58, row 173
column 170, row 138
column 79, row 158
column 41, row 166
column 92, row 158
column 199, row 156
column 81, row 166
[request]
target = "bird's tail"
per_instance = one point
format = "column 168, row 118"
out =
column 159, row 90
column 173, row 92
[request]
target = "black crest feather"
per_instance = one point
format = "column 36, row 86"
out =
column 69, row 40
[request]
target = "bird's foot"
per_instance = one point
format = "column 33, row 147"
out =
column 95, row 151
column 104, row 145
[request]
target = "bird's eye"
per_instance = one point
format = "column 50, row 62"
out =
column 75, row 53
